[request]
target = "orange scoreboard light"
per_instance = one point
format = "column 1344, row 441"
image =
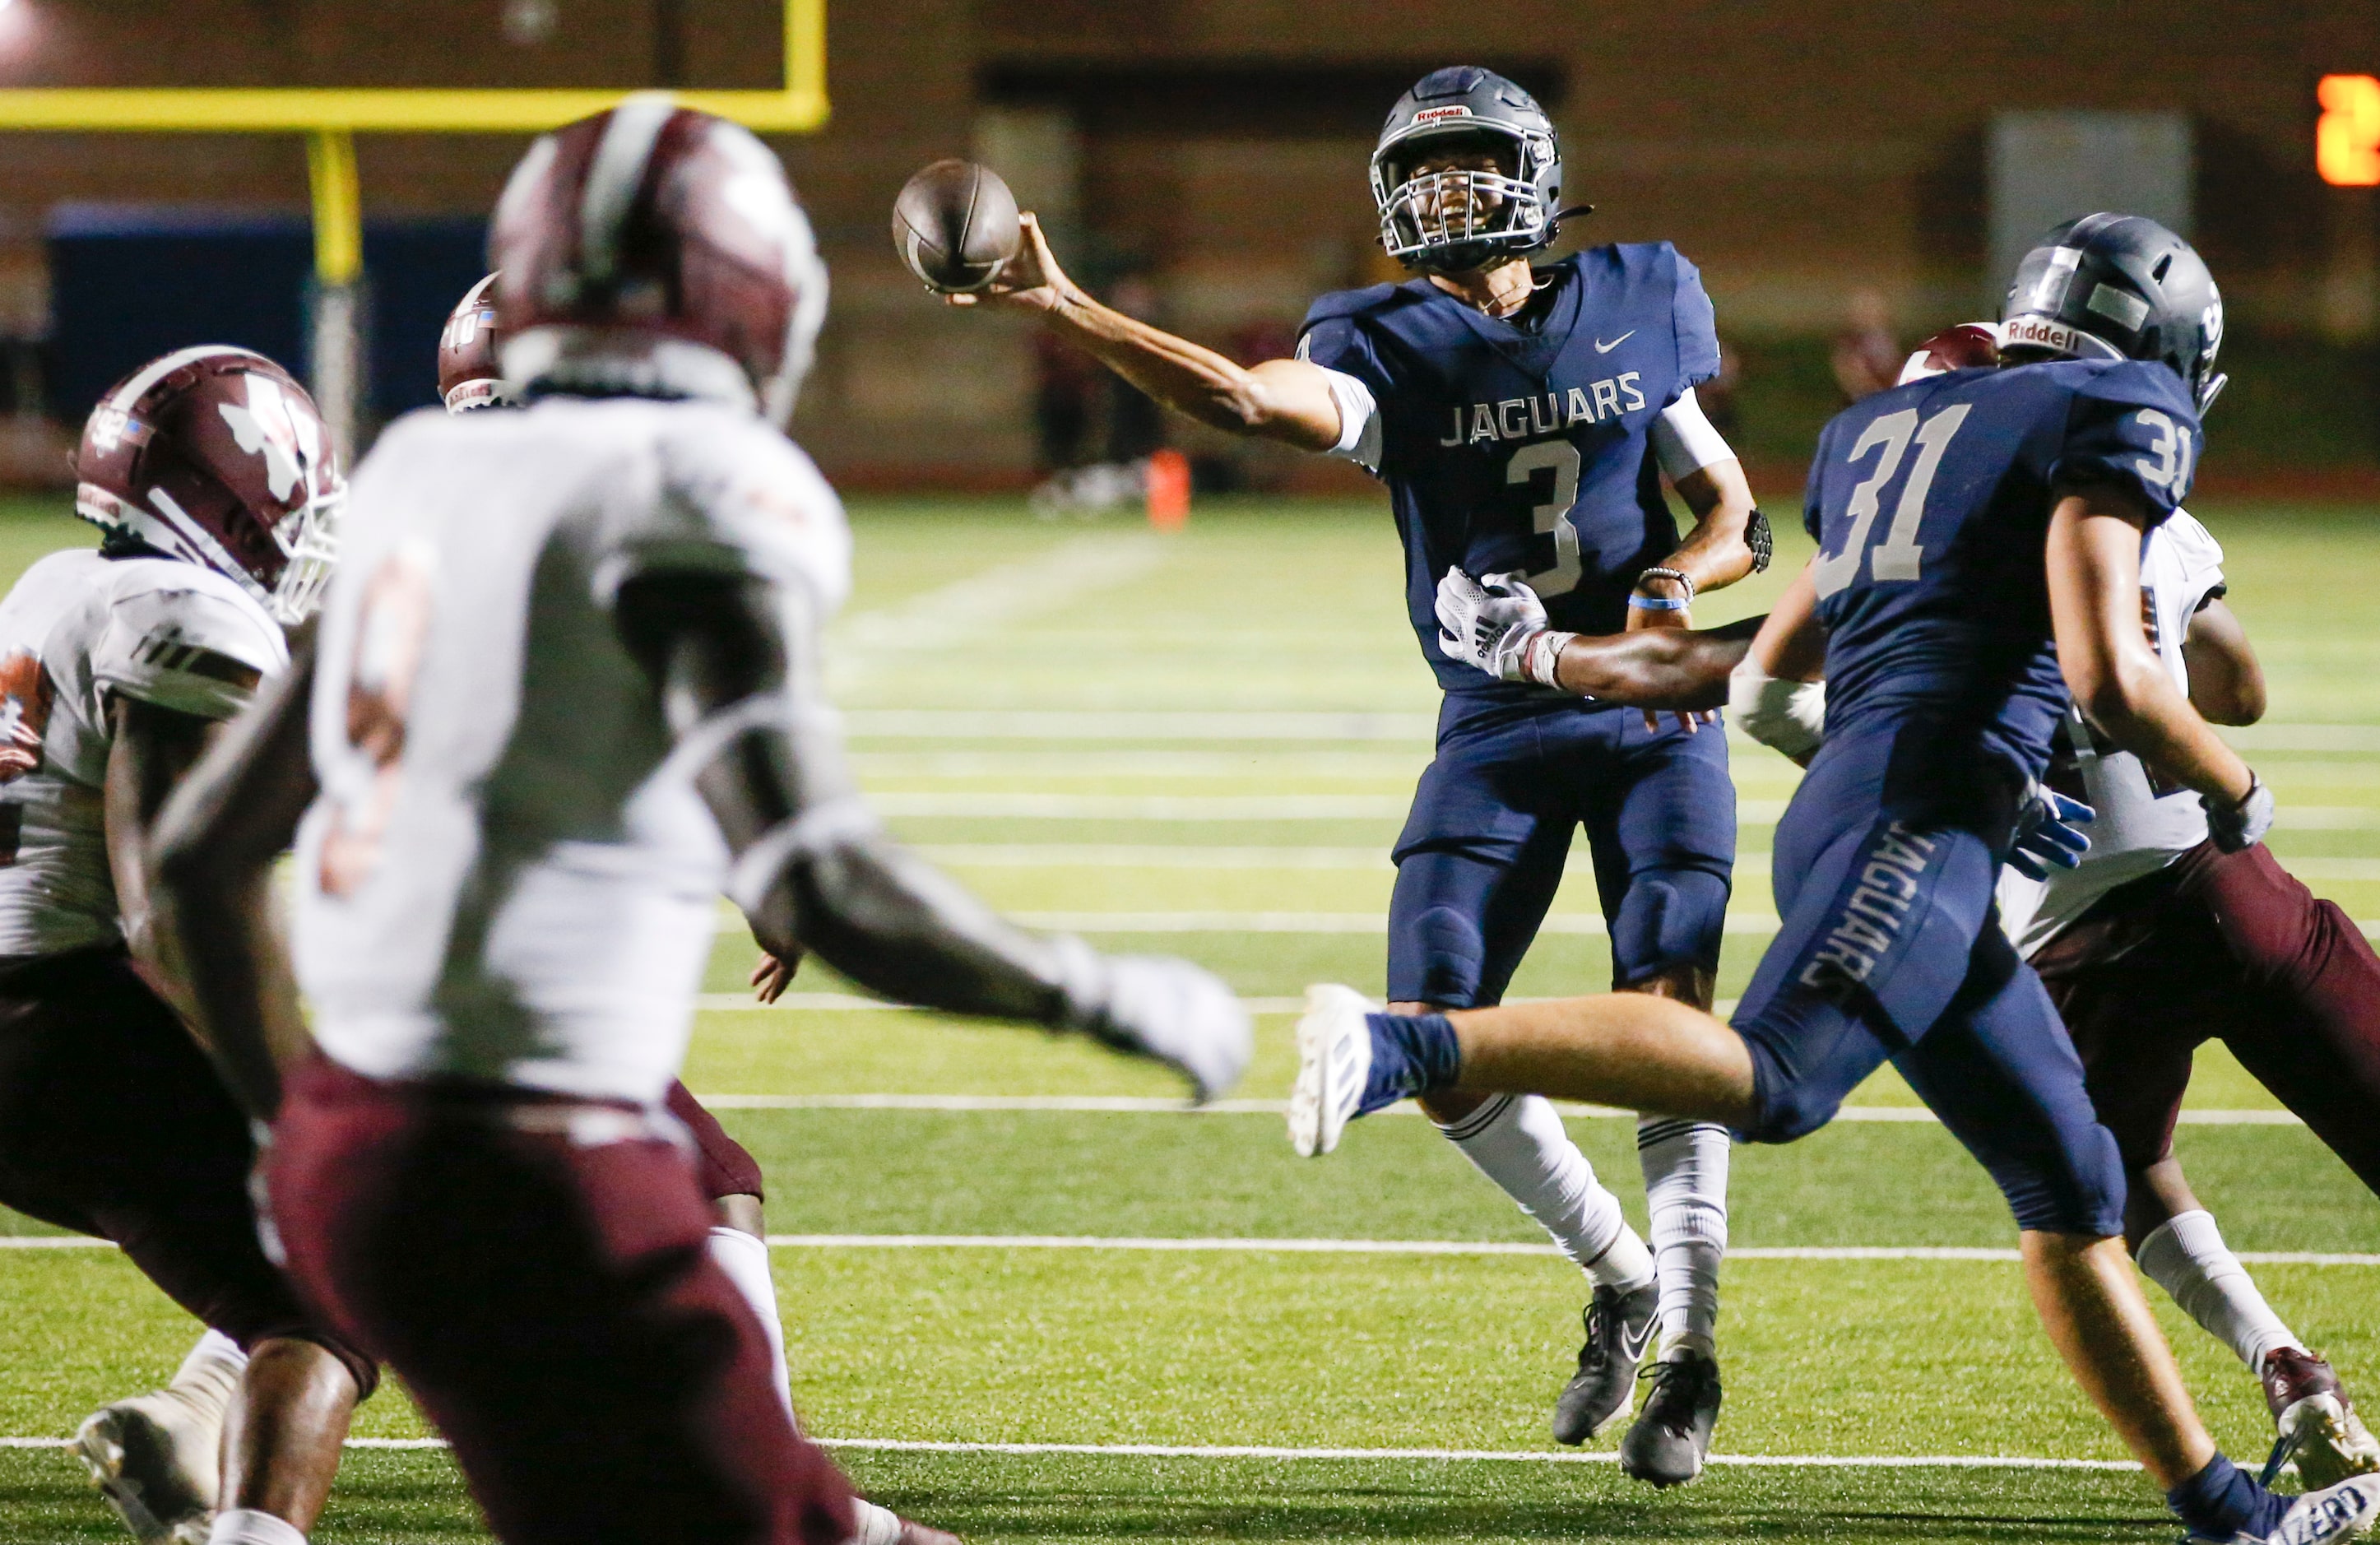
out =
column 2347, row 140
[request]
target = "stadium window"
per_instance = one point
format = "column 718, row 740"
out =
column 2347, row 140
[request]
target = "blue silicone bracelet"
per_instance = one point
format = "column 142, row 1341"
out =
column 1657, row 603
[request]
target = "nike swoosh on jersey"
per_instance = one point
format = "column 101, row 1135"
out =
column 1602, row 347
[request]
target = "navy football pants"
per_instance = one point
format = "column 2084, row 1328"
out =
column 1493, row 818
column 1891, row 949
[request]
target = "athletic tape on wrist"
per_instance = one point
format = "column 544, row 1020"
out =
column 1541, row 662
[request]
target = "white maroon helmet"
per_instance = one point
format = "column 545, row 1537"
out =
column 470, row 374
column 1967, row 347
column 216, row 456
column 656, row 250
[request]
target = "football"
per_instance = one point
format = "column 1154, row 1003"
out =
column 955, row 224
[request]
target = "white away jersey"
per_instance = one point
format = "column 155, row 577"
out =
column 76, row 629
column 505, row 877
column 2144, row 823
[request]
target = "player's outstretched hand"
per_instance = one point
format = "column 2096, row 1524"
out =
column 1178, row 1014
column 1032, row 279
column 2237, row 827
column 1488, row 623
column 2047, row 834
column 774, row 974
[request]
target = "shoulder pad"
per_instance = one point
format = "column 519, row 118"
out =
column 184, row 637
column 1353, row 303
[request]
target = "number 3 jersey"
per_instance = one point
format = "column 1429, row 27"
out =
column 77, row 631
column 507, row 877
column 1524, row 445
column 1930, row 505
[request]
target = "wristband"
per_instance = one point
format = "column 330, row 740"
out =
column 1659, row 604
column 1542, row 656
column 1660, row 571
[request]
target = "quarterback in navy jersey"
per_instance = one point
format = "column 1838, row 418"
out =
column 1524, row 418
column 1978, row 569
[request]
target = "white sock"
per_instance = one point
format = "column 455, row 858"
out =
column 1518, row 1142
column 746, row 1261
column 245, row 1526
column 1685, row 1190
column 2185, row 1255
column 210, row 1374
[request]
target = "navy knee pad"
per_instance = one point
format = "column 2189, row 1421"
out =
column 1437, row 958
column 1804, row 1064
column 1668, row 918
column 2065, row 1177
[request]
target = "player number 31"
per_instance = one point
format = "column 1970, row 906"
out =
column 1896, row 557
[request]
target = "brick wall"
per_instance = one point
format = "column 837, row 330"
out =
column 1794, row 150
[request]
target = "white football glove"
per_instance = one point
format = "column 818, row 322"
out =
column 1489, row 623
column 2236, row 828
column 1169, row 1010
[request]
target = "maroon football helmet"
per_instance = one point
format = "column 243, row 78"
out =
column 470, row 373
column 1969, row 346
column 216, row 456
column 657, row 250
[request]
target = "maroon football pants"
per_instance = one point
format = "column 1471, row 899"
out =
column 722, row 1166
column 2229, row 947
column 535, row 1269
column 113, row 1123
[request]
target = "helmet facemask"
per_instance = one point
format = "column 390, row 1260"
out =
column 310, row 536
column 1456, row 219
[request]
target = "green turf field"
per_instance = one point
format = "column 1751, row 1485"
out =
column 1204, row 743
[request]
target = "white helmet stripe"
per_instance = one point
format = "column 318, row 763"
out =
column 158, row 369
column 613, row 176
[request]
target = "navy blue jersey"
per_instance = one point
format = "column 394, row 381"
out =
column 1507, row 447
column 1930, row 505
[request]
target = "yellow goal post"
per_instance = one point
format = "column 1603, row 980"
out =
column 331, row 117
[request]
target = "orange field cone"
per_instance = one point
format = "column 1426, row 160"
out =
column 1168, row 491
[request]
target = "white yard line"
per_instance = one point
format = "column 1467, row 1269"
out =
column 1358, row 924
column 1524, row 1457
column 1251, row 1451
column 986, row 600
column 1260, row 1246
column 1129, row 1104
column 1043, row 725
column 1297, row 725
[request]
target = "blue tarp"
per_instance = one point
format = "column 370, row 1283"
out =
column 129, row 283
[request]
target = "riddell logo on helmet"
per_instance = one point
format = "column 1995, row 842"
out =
column 2038, row 333
column 1439, row 115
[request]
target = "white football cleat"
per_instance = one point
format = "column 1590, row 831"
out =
column 1334, row 1058
column 2329, row 1516
column 157, row 1460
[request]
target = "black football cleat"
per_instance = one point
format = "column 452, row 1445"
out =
column 1672, row 1433
column 1619, row 1332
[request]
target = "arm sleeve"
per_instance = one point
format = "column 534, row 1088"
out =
column 1684, row 440
column 2131, row 425
column 1696, row 326
column 1358, row 383
column 1359, row 421
column 187, row 649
